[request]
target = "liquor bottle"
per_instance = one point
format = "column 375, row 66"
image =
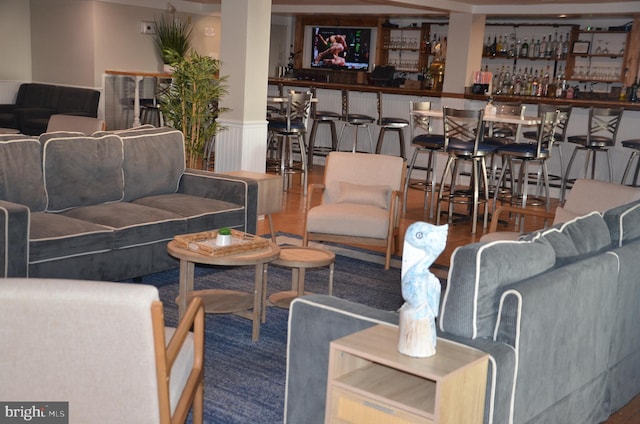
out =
column 565, row 47
column 633, row 91
column 544, row 89
column 525, row 48
column 517, row 86
column 542, row 48
column 536, row 48
column 560, row 84
column 494, row 46
column 518, row 50
column 559, row 48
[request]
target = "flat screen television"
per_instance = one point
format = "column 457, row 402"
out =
column 340, row 48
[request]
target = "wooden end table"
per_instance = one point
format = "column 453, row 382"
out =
column 299, row 259
column 226, row 301
column 370, row 381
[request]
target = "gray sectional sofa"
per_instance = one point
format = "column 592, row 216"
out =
column 556, row 311
column 103, row 207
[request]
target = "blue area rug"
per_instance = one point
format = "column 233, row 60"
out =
column 245, row 380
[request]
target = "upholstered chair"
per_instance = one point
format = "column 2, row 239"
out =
column 586, row 196
column 360, row 203
column 103, row 348
column 71, row 123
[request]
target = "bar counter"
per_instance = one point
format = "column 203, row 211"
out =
column 579, row 102
column 396, row 103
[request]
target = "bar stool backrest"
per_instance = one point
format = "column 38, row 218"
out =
column 463, row 125
column 418, row 120
column 298, row 108
column 549, row 122
column 565, row 114
column 604, row 122
column 501, row 129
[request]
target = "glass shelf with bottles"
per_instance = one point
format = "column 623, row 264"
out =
column 527, row 42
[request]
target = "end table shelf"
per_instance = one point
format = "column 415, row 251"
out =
column 370, row 381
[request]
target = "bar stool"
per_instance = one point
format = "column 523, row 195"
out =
column 320, row 117
column 281, row 135
column 428, row 143
column 463, row 132
column 388, row 123
column 635, row 145
column 150, row 112
column 525, row 153
column 601, row 134
column 559, row 138
column 356, row 120
column 500, row 134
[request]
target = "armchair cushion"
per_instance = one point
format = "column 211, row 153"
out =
column 477, row 275
column 349, row 219
column 364, row 194
column 21, row 173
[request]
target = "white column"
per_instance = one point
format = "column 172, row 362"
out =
column 464, row 51
column 244, row 54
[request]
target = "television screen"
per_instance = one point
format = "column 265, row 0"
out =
column 340, row 47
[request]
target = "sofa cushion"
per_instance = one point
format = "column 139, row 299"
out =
column 82, row 171
column 575, row 239
column 477, row 275
column 154, row 161
column 201, row 213
column 133, row 224
column 54, row 236
column 623, row 223
column 21, row 172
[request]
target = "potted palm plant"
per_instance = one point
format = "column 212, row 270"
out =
column 173, row 37
column 191, row 104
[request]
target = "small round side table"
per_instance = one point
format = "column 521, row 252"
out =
column 299, row 259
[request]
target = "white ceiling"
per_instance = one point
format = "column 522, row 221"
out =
column 496, row 8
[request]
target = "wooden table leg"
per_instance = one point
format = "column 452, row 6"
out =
column 186, row 285
column 257, row 300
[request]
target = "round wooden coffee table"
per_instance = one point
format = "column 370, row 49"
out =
column 226, row 301
column 299, row 259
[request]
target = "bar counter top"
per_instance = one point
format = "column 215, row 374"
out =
column 579, row 102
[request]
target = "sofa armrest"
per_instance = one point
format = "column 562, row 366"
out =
column 560, row 325
column 14, row 239
column 314, row 321
column 495, row 217
column 501, row 376
column 237, row 190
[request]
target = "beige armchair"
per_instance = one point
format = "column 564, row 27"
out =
column 102, row 348
column 585, row 196
column 360, row 203
column 83, row 124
